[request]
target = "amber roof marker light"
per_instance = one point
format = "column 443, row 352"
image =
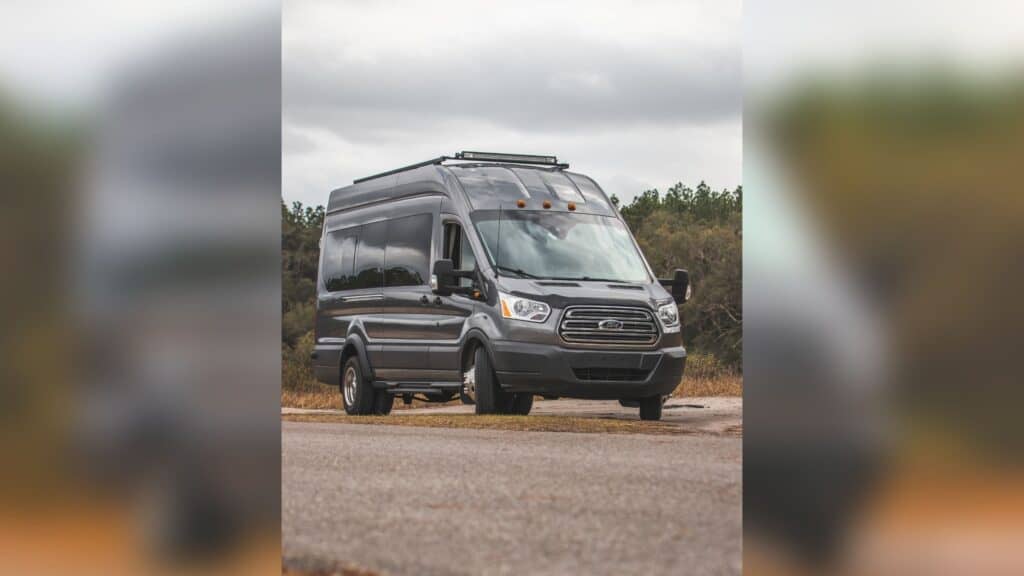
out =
column 546, row 204
column 521, row 203
column 572, row 206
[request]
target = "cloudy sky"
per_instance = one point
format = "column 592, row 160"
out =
column 637, row 95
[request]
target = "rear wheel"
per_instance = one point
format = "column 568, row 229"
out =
column 356, row 393
column 490, row 398
column 382, row 403
column 522, row 402
column 650, row 408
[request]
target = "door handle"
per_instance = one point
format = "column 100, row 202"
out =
column 424, row 300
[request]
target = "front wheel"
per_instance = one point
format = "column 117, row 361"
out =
column 490, row 398
column 382, row 403
column 650, row 408
column 522, row 403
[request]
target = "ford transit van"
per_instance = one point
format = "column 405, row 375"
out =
column 495, row 278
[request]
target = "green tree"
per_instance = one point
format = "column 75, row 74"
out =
column 301, row 227
column 699, row 230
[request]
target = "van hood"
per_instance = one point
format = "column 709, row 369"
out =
column 561, row 293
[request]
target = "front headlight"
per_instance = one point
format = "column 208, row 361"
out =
column 518, row 308
column 669, row 317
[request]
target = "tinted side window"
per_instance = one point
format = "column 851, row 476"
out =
column 408, row 252
column 467, row 260
column 369, row 268
column 458, row 249
column 339, row 254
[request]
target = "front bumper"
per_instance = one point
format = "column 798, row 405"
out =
column 595, row 374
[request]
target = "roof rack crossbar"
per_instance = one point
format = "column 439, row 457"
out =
column 437, row 160
column 479, row 157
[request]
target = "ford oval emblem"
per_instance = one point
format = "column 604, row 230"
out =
column 610, row 324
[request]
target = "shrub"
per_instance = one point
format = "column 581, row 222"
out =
column 296, row 367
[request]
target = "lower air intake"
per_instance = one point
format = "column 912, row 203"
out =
column 611, row 374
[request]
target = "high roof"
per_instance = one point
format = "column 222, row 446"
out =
column 425, row 179
column 514, row 181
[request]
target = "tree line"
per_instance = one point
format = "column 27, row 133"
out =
column 700, row 230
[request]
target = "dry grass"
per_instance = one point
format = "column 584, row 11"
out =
column 706, row 375
column 720, row 385
column 326, row 397
column 537, row 423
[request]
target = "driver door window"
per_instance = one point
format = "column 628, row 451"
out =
column 458, row 250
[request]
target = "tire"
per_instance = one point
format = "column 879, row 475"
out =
column 650, row 408
column 382, row 403
column 357, row 400
column 490, row 398
column 522, row 402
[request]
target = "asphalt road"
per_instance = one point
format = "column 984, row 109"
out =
column 409, row 500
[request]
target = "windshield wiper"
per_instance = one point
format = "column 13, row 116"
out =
column 516, row 271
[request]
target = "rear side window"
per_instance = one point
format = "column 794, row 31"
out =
column 369, row 266
column 408, row 251
column 339, row 256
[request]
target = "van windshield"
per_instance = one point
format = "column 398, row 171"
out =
column 560, row 245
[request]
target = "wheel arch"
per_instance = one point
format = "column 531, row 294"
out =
column 473, row 339
column 355, row 346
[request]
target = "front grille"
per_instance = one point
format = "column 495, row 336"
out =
column 612, row 374
column 608, row 325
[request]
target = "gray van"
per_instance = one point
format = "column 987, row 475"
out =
column 494, row 277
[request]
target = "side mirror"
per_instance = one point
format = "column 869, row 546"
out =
column 443, row 282
column 680, row 284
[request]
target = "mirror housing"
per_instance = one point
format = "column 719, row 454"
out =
column 680, row 285
column 444, row 281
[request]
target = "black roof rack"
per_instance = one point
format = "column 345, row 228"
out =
column 479, row 157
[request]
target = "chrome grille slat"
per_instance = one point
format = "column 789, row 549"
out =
column 610, row 313
column 581, row 325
